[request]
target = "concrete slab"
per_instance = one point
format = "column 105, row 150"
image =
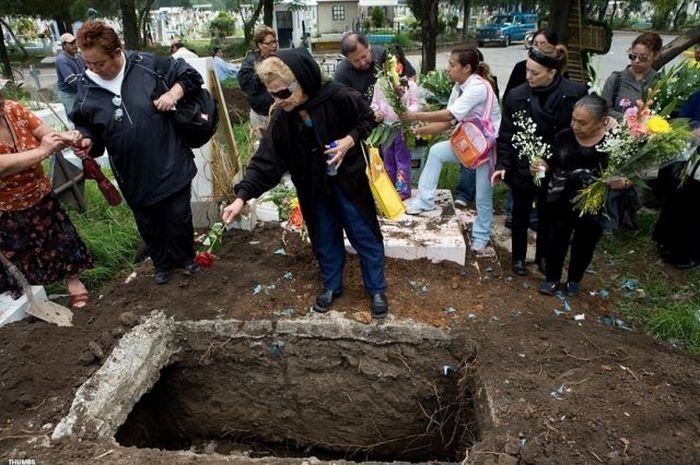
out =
column 16, row 310
column 436, row 235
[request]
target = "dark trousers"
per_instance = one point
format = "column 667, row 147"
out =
column 166, row 228
column 587, row 231
column 522, row 205
column 330, row 215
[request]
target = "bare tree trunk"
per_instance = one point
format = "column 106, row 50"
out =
column 559, row 18
column 268, row 8
column 144, row 17
column 249, row 25
column 429, row 36
column 465, row 18
column 131, row 29
column 677, row 46
column 4, row 57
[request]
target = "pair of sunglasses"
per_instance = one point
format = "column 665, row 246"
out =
column 637, row 57
column 284, row 94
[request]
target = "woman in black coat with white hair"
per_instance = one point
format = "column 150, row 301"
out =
column 308, row 115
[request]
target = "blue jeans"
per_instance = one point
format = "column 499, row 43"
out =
column 466, row 188
column 330, row 215
column 427, row 184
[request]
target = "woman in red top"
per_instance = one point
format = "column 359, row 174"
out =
column 35, row 232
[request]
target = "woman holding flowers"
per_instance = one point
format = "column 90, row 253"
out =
column 307, row 117
column 576, row 161
column 395, row 93
column 541, row 107
column 470, row 96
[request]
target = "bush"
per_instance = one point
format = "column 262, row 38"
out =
column 404, row 40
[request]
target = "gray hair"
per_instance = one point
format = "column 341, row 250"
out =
column 595, row 104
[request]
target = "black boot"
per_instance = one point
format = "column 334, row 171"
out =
column 325, row 299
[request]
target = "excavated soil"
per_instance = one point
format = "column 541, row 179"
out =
column 563, row 391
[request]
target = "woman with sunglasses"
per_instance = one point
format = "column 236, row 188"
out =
column 548, row 99
column 260, row 101
column 627, row 86
column 315, row 132
column 121, row 107
column 631, row 83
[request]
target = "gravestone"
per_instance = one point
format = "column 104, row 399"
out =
column 585, row 37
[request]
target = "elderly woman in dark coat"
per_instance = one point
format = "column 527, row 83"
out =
column 307, row 117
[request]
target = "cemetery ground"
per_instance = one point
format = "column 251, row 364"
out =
column 557, row 389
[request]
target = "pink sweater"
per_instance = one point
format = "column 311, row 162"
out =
column 381, row 104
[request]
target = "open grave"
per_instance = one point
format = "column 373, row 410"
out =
column 322, row 386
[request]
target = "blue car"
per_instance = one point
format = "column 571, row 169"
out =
column 505, row 28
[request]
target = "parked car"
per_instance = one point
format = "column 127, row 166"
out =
column 505, row 28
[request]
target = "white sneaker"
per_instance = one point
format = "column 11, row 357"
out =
column 414, row 208
column 459, row 203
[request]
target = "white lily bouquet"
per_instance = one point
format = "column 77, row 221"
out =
column 529, row 144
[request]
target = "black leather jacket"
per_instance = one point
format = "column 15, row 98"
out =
column 551, row 112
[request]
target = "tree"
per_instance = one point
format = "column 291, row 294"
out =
column 130, row 26
column 677, row 46
column 426, row 12
column 223, row 25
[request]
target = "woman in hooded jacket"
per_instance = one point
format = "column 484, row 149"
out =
column 315, row 133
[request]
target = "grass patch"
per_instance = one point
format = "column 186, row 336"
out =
column 109, row 233
column 662, row 301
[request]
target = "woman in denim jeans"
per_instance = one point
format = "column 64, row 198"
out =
column 469, row 97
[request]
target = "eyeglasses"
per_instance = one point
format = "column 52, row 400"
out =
column 637, row 57
column 118, row 113
column 272, row 42
column 284, row 94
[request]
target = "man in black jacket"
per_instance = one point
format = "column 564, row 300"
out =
column 121, row 107
column 358, row 69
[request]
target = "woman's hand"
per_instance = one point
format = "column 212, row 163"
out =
column 338, row 152
column 619, row 183
column 168, row 101
column 408, row 116
column 538, row 166
column 232, row 210
column 51, row 143
column 82, row 148
column 497, row 177
column 71, row 138
column 611, row 123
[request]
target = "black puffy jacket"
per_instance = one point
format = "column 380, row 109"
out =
column 149, row 160
column 551, row 116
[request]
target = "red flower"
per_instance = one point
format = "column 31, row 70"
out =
column 205, row 259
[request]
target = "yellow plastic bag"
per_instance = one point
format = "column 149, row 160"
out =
column 387, row 200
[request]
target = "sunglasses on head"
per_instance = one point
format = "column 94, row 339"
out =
column 637, row 57
column 284, row 94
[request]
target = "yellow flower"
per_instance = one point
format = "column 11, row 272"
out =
column 658, row 125
column 391, row 71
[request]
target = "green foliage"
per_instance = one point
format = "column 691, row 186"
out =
column 244, row 142
column 674, row 85
column 377, row 16
column 110, row 235
column 223, row 25
column 404, row 40
column 12, row 92
column 664, row 303
column 439, row 84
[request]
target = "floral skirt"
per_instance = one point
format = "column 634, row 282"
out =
column 42, row 243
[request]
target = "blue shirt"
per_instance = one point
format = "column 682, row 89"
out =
column 68, row 71
column 224, row 70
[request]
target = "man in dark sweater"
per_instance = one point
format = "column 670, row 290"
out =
column 69, row 67
column 357, row 70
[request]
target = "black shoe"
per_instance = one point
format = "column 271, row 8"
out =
column 548, row 288
column 192, row 269
column 573, row 288
column 519, row 268
column 379, row 305
column 325, row 299
column 161, row 276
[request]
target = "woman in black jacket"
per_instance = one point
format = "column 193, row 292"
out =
column 548, row 99
column 315, row 132
column 120, row 107
column 576, row 162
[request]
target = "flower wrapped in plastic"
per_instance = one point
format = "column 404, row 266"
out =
column 393, row 95
column 529, row 144
column 209, row 243
column 644, row 140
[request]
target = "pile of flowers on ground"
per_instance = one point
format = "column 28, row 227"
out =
column 529, row 144
column 643, row 140
column 209, row 243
